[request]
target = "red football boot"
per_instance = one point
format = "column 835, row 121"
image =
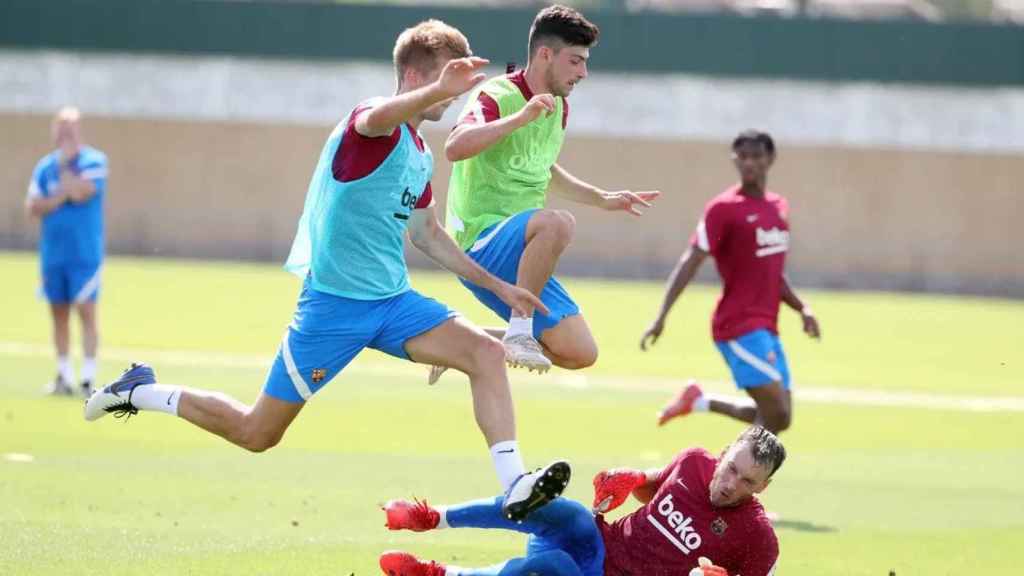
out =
column 404, row 564
column 417, row 515
column 682, row 404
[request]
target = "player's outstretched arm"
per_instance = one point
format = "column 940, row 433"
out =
column 789, row 296
column 681, row 276
column 572, row 188
column 458, row 76
column 429, row 237
column 468, row 140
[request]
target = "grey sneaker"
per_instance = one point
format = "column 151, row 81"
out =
column 523, row 351
column 59, row 387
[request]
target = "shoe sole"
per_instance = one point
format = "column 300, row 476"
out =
column 547, row 488
column 529, row 365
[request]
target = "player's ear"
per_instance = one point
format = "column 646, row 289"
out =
column 764, row 485
column 771, row 160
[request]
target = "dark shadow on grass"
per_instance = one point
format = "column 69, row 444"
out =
column 802, row 526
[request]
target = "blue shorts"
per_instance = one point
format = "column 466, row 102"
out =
column 756, row 358
column 71, row 283
column 498, row 250
column 328, row 331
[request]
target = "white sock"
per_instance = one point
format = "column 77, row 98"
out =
column 443, row 521
column 453, row 571
column 158, row 397
column 88, row 369
column 702, row 404
column 508, row 462
column 65, row 370
column 519, row 325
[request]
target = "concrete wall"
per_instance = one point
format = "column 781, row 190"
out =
column 890, row 188
column 860, row 218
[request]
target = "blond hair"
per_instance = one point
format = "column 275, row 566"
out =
column 67, row 114
column 426, row 44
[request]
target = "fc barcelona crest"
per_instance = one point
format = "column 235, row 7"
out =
column 718, row 526
column 318, row 375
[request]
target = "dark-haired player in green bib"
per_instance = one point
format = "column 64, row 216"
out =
column 505, row 149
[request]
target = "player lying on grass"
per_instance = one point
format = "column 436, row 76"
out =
column 697, row 506
column 370, row 187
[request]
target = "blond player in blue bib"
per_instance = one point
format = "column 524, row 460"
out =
column 370, row 188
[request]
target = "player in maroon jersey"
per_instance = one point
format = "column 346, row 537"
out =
column 746, row 230
column 697, row 506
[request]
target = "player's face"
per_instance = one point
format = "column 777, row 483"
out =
column 66, row 136
column 568, row 67
column 752, row 162
column 737, row 477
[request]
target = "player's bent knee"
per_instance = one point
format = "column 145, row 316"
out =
column 779, row 420
column 260, row 440
column 488, row 354
column 577, row 358
column 560, row 223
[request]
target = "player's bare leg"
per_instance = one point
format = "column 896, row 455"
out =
column 548, row 234
column 61, row 314
column 437, row 370
column 90, row 344
column 255, row 428
column 460, row 345
column 570, row 344
column 772, row 407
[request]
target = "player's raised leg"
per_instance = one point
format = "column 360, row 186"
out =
column 255, row 428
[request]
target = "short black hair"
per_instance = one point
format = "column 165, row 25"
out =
column 766, row 448
column 754, row 137
column 562, row 23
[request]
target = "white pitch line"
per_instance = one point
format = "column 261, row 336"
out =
column 564, row 379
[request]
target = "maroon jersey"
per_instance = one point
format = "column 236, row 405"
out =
column 486, row 109
column 748, row 238
column 679, row 525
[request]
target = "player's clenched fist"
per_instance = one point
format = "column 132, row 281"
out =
column 612, row 487
column 706, row 568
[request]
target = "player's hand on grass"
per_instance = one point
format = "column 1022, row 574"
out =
column 461, row 75
column 521, row 301
column 811, row 327
column 613, row 487
column 652, row 334
column 707, row 568
column 539, row 104
column 629, row 201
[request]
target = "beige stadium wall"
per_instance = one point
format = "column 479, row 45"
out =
column 861, row 218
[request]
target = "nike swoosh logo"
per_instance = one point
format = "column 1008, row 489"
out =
column 685, row 487
column 509, row 451
column 169, row 398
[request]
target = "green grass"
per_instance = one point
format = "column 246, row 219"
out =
column 866, row 489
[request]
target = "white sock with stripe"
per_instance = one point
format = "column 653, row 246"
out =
column 157, row 397
column 508, row 462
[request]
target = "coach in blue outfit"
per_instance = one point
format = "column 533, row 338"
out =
column 66, row 193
